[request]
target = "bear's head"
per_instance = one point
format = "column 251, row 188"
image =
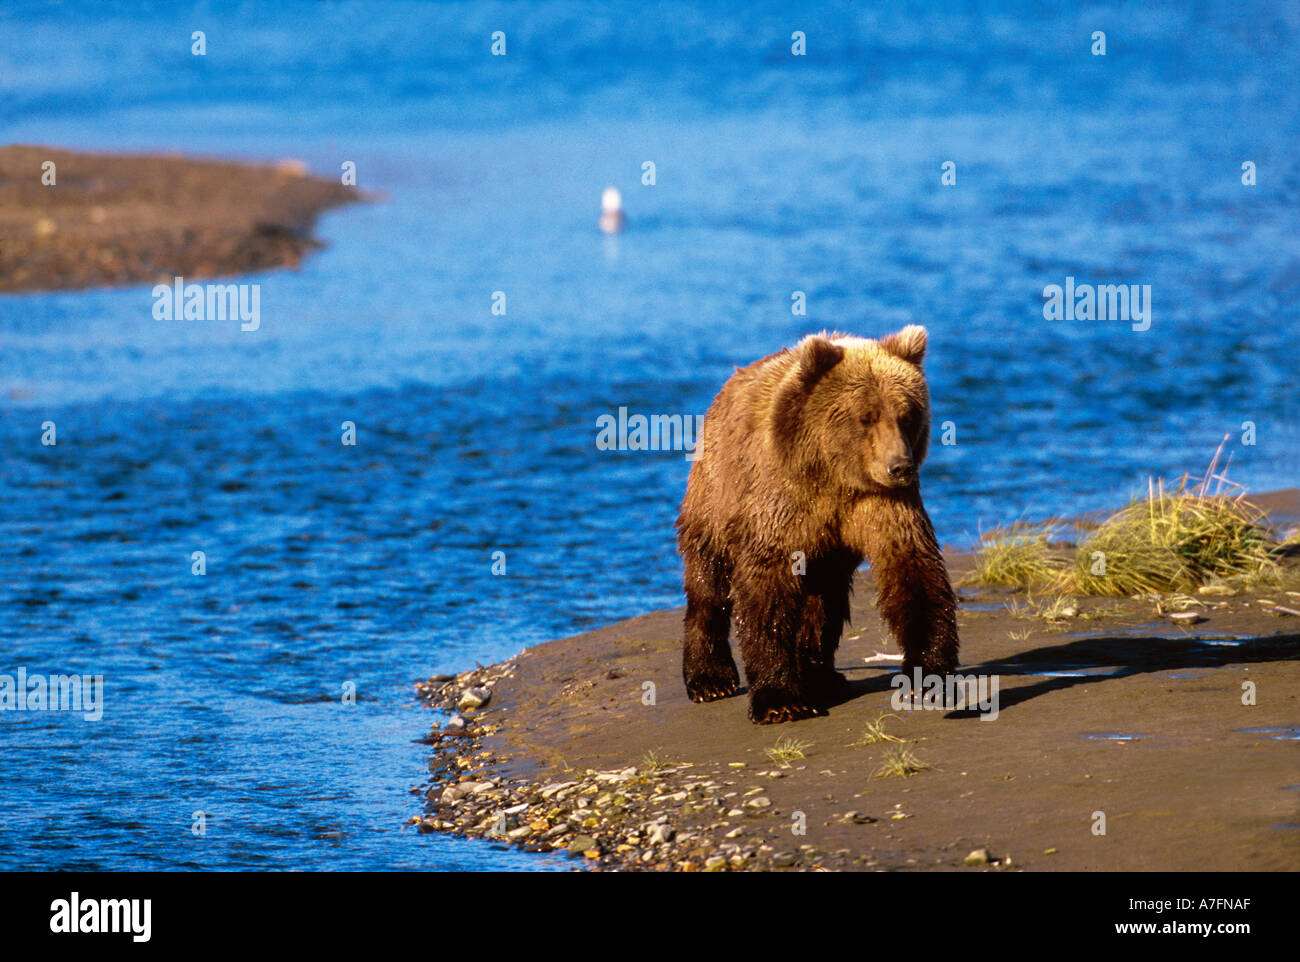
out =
column 854, row 411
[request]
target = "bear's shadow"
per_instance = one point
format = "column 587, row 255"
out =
column 1125, row 655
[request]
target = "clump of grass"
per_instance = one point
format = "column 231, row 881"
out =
column 874, row 732
column 900, row 763
column 1059, row 608
column 1055, row 609
column 1019, row 558
column 1203, row 532
column 787, row 749
column 1175, row 542
column 652, row 761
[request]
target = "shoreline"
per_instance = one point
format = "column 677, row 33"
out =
column 588, row 746
column 112, row 220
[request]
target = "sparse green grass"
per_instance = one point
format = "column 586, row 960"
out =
column 652, row 761
column 1059, row 608
column 1019, row 558
column 900, row 763
column 1054, row 609
column 787, row 749
column 874, row 732
column 1020, row 635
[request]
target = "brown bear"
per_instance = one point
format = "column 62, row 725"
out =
column 807, row 464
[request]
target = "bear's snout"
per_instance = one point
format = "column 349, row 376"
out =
column 900, row 469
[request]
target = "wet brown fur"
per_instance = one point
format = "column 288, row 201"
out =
column 795, row 456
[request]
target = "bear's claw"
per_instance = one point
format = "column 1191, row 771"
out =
column 712, row 683
column 713, row 694
column 788, row 713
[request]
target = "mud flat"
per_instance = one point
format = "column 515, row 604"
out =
column 1112, row 710
column 111, row 219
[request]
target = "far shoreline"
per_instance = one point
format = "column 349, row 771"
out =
column 74, row 220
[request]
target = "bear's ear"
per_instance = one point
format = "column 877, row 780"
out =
column 907, row 344
column 813, row 357
column 817, row 355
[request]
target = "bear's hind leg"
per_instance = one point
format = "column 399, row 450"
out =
column 707, row 666
column 779, row 628
column 833, row 583
column 833, row 685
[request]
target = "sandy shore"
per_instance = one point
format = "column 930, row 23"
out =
column 114, row 219
column 1115, row 710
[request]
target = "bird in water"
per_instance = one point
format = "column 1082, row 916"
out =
column 611, row 211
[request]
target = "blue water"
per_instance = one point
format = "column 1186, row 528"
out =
column 371, row 565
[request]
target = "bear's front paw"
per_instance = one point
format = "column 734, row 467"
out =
column 772, row 706
column 711, row 685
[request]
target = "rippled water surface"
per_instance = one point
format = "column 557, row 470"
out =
column 369, row 565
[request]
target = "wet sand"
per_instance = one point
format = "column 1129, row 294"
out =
column 116, row 219
column 1116, row 711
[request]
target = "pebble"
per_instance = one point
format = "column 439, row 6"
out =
column 555, row 788
column 1184, row 617
column 581, row 844
column 978, row 857
column 858, row 818
column 474, row 698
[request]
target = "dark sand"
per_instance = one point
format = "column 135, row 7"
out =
column 119, row 219
column 1197, row 787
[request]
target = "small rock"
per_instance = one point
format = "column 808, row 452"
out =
column 581, row 844
column 456, row 723
column 978, row 857
column 1184, row 617
column 1215, row 589
column 555, row 788
column 661, row 834
column 474, row 698
column 715, row 863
